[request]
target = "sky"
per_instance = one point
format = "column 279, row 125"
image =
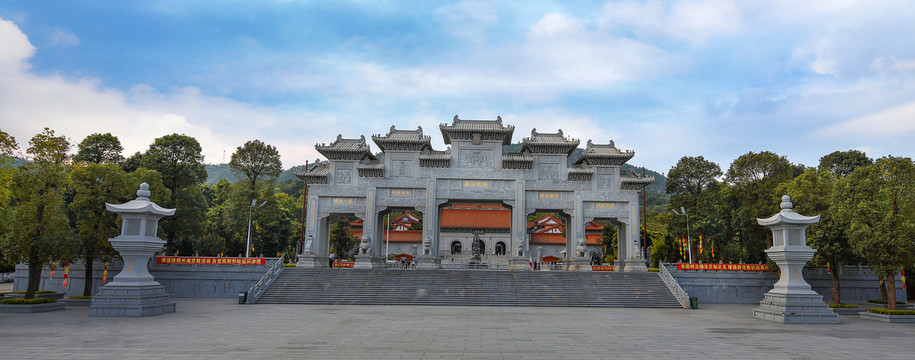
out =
column 667, row 79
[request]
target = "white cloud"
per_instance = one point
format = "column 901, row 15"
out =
column 695, row 21
column 891, row 63
column 893, row 123
column 63, row 38
column 79, row 107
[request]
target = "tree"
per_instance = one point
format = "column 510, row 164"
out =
column 178, row 158
column 342, row 242
column 132, row 163
column 753, row 178
column 878, row 203
column 8, row 148
column 689, row 182
column 691, row 175
column 45, row 147
column 255, row 159
column 813, row 194
column 94, row 185
column 842, row 163
column 41, row 231
column 100, row 149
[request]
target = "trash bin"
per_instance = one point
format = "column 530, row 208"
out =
column 242, row 297
column 693, row 302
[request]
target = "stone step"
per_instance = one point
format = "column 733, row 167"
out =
column 468, row 288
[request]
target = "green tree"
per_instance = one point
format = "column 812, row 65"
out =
column 342, row 242
column 178, row 158
column 46, row 147
column 94, row 185
column 688, row 182
column 878, row 203
column 133, row 162
column 100, row 149
column 842, row 163
column 8, row 148
column 813, row 194
column 41, row 231
column 753, row 178
column 255, row 159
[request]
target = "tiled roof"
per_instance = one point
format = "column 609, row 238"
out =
column 346, row 149
column 558, row 239
column 632, row 181
column 467, row 217
column 435, row 158
column 517, row 161
column 579, row 172
column 317, row 174
column 403, row 140
column 609, row 154
column 549, row 143
column 488, row 130
column 409, row 236
column 370, row 168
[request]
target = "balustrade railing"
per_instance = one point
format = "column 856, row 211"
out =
column 674, row 287
column 258, row 289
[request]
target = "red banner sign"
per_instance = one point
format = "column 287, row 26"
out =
column 602, row 268
column 343, row 264
column 209, row 260
column 724, row 267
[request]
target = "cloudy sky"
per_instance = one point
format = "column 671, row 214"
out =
column 667, row 79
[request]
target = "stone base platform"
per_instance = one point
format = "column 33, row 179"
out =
column 795, row 309
column 428, row 262
column 368, row 262
column 311, row 262
column 131, row 300
column 634, row 265
column 519, row 263
column 578, row 264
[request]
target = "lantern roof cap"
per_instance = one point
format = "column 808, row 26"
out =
column 787, row 216
column 140, row 205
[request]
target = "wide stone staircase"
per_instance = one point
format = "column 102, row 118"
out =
column 468, row 288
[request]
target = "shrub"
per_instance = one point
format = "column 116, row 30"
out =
column 80, row 297
column 37, row 292
column 880, row 311
column 654, row 269
column 288, row 265
column 879, row 301
column 843, row 306
column 2, row 294
column 27, row 301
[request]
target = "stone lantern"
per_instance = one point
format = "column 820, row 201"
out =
column 134, row 292
column 792, row 301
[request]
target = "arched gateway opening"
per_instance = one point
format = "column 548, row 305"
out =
column 481, row 169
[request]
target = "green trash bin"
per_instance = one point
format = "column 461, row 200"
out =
column 693, row 302
column 242, row 297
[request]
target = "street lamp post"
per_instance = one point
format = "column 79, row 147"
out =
column 250, row 210
column 689, row 243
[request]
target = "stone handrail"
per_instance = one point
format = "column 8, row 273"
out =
column 258, row 289
column 674, row 287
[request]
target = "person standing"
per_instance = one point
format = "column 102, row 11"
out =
column 330, row 260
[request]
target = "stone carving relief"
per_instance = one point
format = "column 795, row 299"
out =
column 402, row 168
column 476, row 159
column 549, row 171
column 344, row 176
column 605, row 181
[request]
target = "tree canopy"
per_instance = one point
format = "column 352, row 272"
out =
column 255, row 159
column 100, row 149
column 46, row 147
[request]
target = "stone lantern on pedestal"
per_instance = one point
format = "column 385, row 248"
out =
column 792, row 301
column 134, row 292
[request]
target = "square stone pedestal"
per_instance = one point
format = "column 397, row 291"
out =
column 368, row 262
column 311, row 261
column 519, row 263
column 131, row 300
column 428, row 262
column 795, row 309
column 632, row 265
column 578, row 264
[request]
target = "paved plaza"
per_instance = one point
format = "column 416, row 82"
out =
column 220, row 328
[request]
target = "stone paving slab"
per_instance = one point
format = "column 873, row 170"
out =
column 219, row 329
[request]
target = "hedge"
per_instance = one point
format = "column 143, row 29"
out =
column 37, row 292
column 842, row 306
column 27, row 301
column 884, row 311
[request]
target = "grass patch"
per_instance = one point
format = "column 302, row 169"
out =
column 27, row 301
column 842, row 306
column 653, row 269
column 288, row 265
column 80, row 297
column 37, row 292
column 880, row 311
column 884, row 302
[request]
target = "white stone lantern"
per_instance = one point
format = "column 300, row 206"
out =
column 791, row 300
column 134, row 291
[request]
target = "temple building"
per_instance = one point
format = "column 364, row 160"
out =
column 475, row 188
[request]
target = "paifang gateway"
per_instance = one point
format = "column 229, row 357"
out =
column 411, row 175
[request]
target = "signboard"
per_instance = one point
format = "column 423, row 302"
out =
column 209, row 260
column 602, row 268
column 723, row 267
column 343, row 264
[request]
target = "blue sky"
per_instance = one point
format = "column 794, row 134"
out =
column 667, row 79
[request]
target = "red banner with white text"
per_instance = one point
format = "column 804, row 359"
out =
column 723, row 267
column 209, row 260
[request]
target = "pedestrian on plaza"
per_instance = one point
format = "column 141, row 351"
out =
column 330, row 260
column 403, row 262
column 413, row 264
